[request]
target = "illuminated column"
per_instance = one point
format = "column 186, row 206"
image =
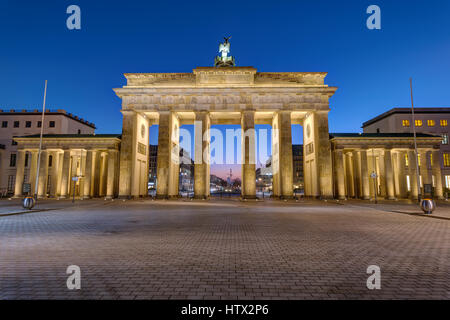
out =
column 201, row 155
column 356, row 174
column 390, row 190
column 424, row 171
column 282, row 165
column 103, row 173
column 59, row 159
column 436, row 168
column 339, row 169
column 401, row 165
column 168, row 167
column 112, row 159
column 248, row 188
column 349, row 175
column 33, row 170
column 65, row 174
column 414, row 194
column 43, row 173
column 19, row 173
column 365, row 182
column 127, row 153
column 87, row 175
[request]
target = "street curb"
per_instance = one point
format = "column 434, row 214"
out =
column 23, row 212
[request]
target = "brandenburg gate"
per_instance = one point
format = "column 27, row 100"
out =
column 225, row 94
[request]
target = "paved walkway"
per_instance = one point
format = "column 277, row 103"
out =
column 222, row 250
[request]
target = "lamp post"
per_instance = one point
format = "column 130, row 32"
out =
column 419, row 193
column 40, row 144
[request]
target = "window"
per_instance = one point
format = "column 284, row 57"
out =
column 12, row 160
column 14, row 143
column 50, row 161
column 430, row 123
column 408, row 183
column 51, row 124
column 26, row 159
column 406, row 160
column 39, row 124
column 443, row 123
column 16, row 124
column 28, row 124
column 444, row 138
column 11, row 183
column 79, row 131
column 405, row 123
column 378, row 130
column 431, row 159
column 418, row 158
column 446, row 159
column 418, row 123
column 4, row 124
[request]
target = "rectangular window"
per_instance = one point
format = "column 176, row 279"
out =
column 16, row 124
column 444, row 138
column 443, row 123
column 406, row 160
column 418, row 123
column 418, row 158
column 405, row 123
column 26, row 160
column 446, row 159
column 50, row 161
column 39, row 124
column 430, row 123
column 408, row 183
column 4, row 124
column 12, row 160
column 51, row 124
column 14, row 143
column 11, row 183
column 431, row 159
column 28, row 124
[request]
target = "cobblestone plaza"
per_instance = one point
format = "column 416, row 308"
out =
column 224, row 250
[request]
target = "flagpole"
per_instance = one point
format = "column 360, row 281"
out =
column 40, row 143
column 415, row 143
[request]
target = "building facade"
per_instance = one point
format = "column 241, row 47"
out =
column 427, row 120
column 23, row 123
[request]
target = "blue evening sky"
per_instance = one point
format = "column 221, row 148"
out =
column 370, row 67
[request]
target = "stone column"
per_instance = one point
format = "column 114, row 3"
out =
column 95, row 182
column 339, row 169
column 59, row 157
column 127, row 146
column 323, row 149
column 282, row 164
column 112, row 156
column 103, row 174
column 65, row 174
column 390, row 190
column 349, row 175
column 248, row 188
column 357, row 174
column 167, row 164
column 436, row 168
column 19, row 173
column 412, row 160
column 33, row 171
column 365, row 181
column 401, row 165
column 424, row 171
column 43, row 173
column 88, row 175
column 201, row 155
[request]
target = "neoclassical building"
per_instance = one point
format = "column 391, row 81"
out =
column 335, row 166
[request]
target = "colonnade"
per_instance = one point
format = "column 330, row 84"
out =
column 65, row 172
column 395, row 172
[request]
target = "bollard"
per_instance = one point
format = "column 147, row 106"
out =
column 28, row 203
column 427, row 205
